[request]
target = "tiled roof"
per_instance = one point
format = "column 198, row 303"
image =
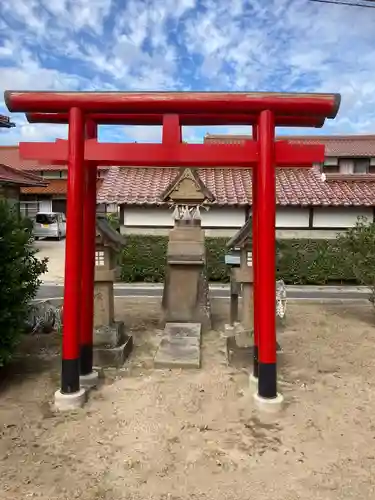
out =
column 9, row 155
column 55, row 186
column 336, row 145
column 10, row 175
column 294, row 186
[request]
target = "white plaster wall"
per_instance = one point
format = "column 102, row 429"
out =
column 224, row 217
column 327, row 217
column 162, row 217
column 45, row 206
column 292, row 217
column 228, row 220
column 147, row 216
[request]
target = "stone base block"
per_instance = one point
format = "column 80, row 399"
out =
column 113, row 356
column 240, row 357
column 178, row 353
column 183, row 330
column 110, row 336
column 69, row 402
column 244, row 337
column 231, row 330
column 90, row 380
column 99, row 370
column 269, row 405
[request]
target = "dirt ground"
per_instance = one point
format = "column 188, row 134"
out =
column 162, row 434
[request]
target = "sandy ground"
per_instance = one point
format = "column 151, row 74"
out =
column 55, row 251
column 155, row 434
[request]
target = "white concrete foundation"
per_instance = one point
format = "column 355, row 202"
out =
column 90, row 380
column 253, row 383
column 68, row 402
column 269, row 405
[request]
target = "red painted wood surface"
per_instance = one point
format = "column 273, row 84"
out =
column 185, row 119
column 74, row 226
column 266, row 218
column 183, row 155
column 88, row 258
column 324, row 105
column 254, row 215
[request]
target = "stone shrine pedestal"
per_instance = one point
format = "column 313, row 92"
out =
column 186, row 293
column 186, row 303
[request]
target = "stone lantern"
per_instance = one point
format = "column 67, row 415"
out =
column 242, row 275
column 111, row 344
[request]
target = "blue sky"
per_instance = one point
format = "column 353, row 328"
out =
column 264, row 45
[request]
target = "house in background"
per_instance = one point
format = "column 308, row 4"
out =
column 311, row 203
column 12, row 181
column 51, row 196
column 316, row 202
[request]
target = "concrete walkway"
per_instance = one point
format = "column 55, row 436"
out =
column 55, row 252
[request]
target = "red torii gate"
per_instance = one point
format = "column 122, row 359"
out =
column 83, row 111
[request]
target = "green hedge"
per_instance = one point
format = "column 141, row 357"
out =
column 302, row 262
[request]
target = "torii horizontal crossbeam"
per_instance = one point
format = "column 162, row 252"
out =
column 183, row 155
column 187, row 119
column 282, row 104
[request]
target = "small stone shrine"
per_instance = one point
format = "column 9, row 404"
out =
column 185, row 303
column 240, row 329
column 241, row 278
column 111, row 344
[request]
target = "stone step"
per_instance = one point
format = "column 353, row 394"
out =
column 180, row 330
column 179, row 346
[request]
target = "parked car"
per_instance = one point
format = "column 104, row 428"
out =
column 50, row 225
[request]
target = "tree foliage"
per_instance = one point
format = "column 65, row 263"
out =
column 19, row 277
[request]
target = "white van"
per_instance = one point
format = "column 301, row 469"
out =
column 50, row 225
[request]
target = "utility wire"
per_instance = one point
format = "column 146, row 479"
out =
column 347, row 3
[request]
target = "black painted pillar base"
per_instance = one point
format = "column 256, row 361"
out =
column 267, row 380
column 70, row 376
column 255, row 362
column 86, row 359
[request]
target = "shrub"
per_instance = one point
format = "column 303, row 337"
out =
column 19, row 277
column 358, row 246
column 298, row 262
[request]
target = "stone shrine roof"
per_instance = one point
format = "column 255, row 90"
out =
column 109, row 235
column 243, row 236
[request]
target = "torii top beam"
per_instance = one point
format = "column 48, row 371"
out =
column 286, row 104
column 188, row 120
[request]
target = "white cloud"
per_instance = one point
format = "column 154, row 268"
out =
column 286, row 45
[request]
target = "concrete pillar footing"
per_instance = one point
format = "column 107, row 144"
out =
column 267, row 405
column 253, row 383
column 68, row 402
column 90, row 380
